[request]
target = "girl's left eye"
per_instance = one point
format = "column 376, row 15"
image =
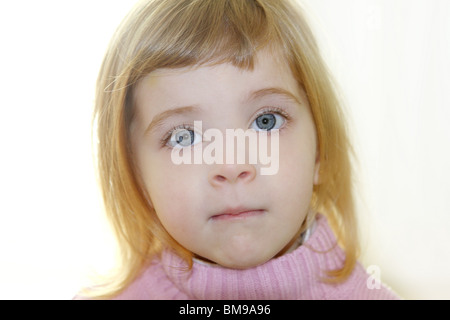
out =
column 268, row 121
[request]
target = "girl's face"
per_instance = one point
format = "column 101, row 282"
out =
column 229, row 214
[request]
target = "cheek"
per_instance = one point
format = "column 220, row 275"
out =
column 296, row 177
column 297, row 164
column 298, row 156
column 172, row 190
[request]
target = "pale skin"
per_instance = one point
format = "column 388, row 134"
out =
column 189, row 199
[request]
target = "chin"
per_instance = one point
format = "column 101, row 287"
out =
column 242, row 264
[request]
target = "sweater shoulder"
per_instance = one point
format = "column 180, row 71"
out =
column 362, row 286
column 152, row 284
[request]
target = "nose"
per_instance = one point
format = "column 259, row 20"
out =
column 231, row 173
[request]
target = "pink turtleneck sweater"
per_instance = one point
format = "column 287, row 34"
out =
column 295, row 275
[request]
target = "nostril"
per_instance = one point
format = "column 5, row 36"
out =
column 220, row 178
column 243, row 175
column 231, row 174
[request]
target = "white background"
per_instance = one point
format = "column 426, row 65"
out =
column 389, row 57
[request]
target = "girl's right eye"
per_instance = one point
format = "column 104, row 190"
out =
column 183, row 137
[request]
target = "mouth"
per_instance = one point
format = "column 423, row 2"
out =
column 238, row 213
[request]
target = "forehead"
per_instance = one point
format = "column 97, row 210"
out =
column 167, row 88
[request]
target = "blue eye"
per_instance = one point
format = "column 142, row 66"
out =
column 267, row 122
column 183, row 137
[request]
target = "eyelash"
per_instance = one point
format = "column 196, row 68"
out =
column 278, row 110
column 164, row 141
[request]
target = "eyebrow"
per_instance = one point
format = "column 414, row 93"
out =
column 159, row 119
column 274, row 91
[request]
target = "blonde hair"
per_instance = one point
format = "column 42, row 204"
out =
column 173, row 34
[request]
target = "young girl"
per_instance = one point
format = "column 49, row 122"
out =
column 221, row 229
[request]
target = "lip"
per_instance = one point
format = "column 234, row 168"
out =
column 237, row 213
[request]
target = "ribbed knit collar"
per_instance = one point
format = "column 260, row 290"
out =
column 296, row 274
